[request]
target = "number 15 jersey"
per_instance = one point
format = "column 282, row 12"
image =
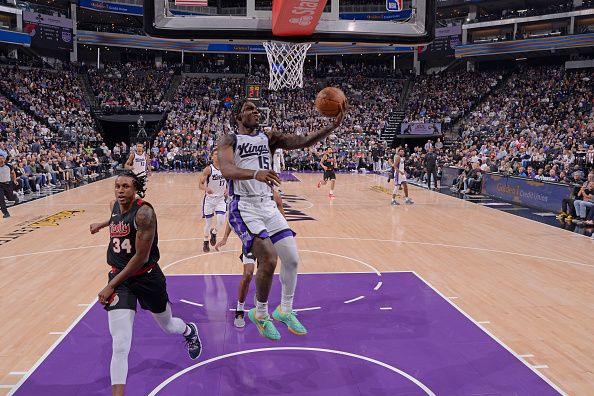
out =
column 251, row 152
column 122, row 237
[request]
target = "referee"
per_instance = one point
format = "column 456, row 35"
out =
column 431, row 167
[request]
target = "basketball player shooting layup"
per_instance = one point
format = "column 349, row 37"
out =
column 135, row 275
column 215, row 187
column 137, row 162
column 245, row 160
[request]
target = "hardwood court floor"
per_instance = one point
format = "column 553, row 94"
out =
column 531, row 283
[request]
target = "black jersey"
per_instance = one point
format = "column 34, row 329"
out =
column 330, row 163
column 122, row 237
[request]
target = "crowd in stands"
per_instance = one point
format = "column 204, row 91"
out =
column 55, row 98
column 539, row 124
column 534, row 122
column 446, row 97
column 131, row 86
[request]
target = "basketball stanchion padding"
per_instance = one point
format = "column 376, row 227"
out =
column 286, row 64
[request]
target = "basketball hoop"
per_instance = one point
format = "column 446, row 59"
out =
column 286, row 64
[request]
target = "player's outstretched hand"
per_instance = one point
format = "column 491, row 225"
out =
column 95, row 228
column 220, row 244
column 209, row 190
column 269, row 177
column 340, row 116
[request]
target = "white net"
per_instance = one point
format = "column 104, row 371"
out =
column 286, row 64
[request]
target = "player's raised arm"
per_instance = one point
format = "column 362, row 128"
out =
column 291, row 142
column 233, row 172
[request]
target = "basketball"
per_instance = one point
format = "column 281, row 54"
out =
column 329, row 101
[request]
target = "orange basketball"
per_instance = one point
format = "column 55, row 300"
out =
column 329, row 101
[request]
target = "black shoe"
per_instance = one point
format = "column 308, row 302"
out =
column 193, row 342
column 205, row 247
column 6, row 215
column 213, row 238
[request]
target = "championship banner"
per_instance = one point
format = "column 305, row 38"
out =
column 420, row 128
column 526, row 192
column 48, row 31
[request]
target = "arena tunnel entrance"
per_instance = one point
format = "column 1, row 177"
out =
column 119, row 128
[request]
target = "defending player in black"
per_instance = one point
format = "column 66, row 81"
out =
column 135, row 275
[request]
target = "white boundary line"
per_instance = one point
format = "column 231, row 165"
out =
column 191, row 303
column 50, row 350
column 379, row 284
column 57, row 332
column 548, row 381
column 354, row 299
column 386, row 308
column 307, row 309
column 365, row 358
column 377, row 272
column 332, row 238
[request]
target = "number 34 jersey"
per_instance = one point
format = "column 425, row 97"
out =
column 251, row 152
column 122, row 237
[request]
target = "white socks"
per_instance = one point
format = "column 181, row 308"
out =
column 261, row 309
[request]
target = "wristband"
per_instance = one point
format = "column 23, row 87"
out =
column 255, row 173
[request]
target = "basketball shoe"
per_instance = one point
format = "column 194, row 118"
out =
column 290, row 319
column 265, row 326
column 193, row 342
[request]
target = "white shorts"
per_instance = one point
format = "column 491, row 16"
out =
column 257, row 217
column 276, row 166
column 212, row 205
column 398, row 178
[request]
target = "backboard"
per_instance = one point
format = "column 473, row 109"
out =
column 250, row 22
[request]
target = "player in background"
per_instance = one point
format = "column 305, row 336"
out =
column 278, row 164
column 248, row 261
column 328, row 164
column 135, row 276
column 400, row 177
column 214, row 186
column 138, row 162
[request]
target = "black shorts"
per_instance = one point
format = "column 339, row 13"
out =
column 329, row 175
column 149, row 289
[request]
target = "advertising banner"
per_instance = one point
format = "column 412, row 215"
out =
column 526, row 192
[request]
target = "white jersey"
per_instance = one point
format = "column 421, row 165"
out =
column 251, row 152
column 139, row 164
column 278, row 160
column 216, row 182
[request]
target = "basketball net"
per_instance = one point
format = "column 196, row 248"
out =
column 286, row 64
